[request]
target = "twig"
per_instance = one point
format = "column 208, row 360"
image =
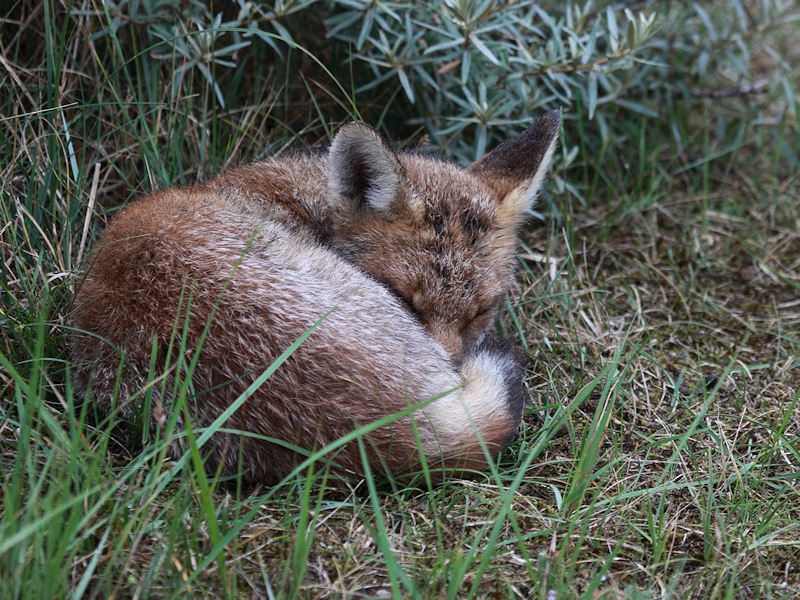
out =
column 89, row 210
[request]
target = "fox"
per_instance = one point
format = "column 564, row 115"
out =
column 396, row 262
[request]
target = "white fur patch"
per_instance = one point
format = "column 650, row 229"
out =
column 523, row 197
column 477, row 404
column 383, row 188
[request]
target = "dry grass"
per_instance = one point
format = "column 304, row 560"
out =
column 660, row 326
column 697, row 472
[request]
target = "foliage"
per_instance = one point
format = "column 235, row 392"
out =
column 656, row 311
column 472, row 71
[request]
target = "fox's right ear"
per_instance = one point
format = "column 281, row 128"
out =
column 365, row 173
column 516, row 168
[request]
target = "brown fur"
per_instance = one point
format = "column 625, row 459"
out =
column 409, row 256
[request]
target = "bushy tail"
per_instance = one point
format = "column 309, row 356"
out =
column 486, row 414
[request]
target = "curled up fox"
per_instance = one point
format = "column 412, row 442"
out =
column 403, row 261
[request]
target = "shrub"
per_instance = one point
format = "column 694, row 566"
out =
column 472, row 71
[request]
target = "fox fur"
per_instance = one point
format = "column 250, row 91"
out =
column 407, row 258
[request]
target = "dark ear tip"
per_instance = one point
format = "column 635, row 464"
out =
column 552, row 115
column 356, row 126
column 358, row 133
column 550, row 120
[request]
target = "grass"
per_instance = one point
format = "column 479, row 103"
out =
column 660, row 325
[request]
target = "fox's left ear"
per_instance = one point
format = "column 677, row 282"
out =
column 365, row 176
column 516, row 168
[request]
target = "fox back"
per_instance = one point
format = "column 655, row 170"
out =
column 400, row 261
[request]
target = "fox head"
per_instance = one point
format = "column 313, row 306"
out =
column 440, row 237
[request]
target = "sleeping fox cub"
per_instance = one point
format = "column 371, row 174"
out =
column 407, row 259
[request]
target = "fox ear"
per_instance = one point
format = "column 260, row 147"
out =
column 516, row 168
column 364, row 172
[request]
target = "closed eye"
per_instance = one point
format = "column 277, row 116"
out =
column 489, row 309
column 404, row 301
column 481, row 319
